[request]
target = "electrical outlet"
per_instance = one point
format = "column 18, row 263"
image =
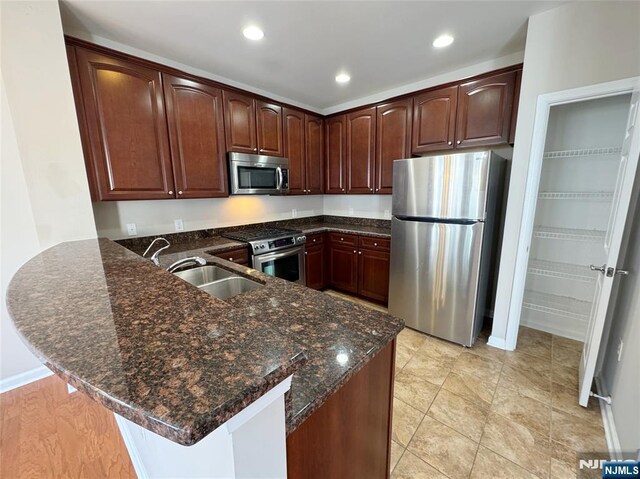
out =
column 179, row 225
column 131, row 229
column 294, row 213
column 620, row 345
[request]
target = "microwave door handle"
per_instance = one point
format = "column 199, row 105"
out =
column 279, row 178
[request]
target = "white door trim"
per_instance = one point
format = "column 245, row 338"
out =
column 544, row 104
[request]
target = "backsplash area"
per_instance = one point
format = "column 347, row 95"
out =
column 158, row 217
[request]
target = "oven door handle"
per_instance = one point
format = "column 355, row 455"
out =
column 280, row 179
column 272, row 256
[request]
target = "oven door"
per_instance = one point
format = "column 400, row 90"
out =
column 286, row 264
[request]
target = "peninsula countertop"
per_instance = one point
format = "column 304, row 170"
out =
column 174, row 359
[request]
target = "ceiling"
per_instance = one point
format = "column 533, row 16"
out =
column 382, row 45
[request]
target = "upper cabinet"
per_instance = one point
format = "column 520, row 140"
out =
column 294, row 148
column 240, row 122
column 484, row 111
column 314, row 161
column 336, row 164
column 126, row 127
column 514, row 112
column 434, row 120
column 196, row 134
column 361, row 147
column 393, row 141
column 270, row 137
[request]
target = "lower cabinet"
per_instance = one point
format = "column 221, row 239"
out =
column 373, row 275
column 314, row 264
column 349, row 436
column 238, row 256
column 343, row 267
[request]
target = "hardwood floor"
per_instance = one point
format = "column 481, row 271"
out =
column 45, row 432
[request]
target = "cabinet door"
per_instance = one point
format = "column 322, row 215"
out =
column 314, row 266
column 484, row 111
column 196, row 134
column 270, row 136
column 314, row 138
column 434, row 120
column 127, row 128
column 240, row 122
column 514, row 111
column 343, row 268
column 294, row 148
column 373, row 275
column 393, row 141
column 336, row 162
column 361, row 147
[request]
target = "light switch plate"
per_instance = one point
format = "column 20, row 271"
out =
column 179, row 225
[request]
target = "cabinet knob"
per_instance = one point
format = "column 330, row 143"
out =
column 314, row 240
column 370, row 189
column 359, row 252
column 305, row 253
column 170, row 192
column 230, row 259
column 354, row 251
column 342, row 189
column 341, row 239
column 458, row 142
column 449, row 143
column 179, row 192
column 375, row 244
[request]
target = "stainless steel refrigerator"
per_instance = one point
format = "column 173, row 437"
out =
column 442, row 236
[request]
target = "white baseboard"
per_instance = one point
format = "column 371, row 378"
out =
column 610, row 431
column 22, row 379
column 497, row 342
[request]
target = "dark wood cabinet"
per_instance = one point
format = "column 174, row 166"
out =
column 373, row 273
column 484, row 111
column 240, row 122
column 126, row 128
column 514, row 110
column 393, row 141
column 434, row 120
column 314, row 164
column 294, row 148
column 349, row 436
column 196, row 134
column 269, row 123
column 336, row 166
column 238, row 256
column 343, row 264
column 361, row 147
column 315, row 262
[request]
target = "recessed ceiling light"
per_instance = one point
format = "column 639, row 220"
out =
column 342, row 78
column 443, row 41
column 253, row 33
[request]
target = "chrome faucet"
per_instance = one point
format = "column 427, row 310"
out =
column 154, row 256
column 185, row 261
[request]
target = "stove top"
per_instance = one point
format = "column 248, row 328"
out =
column 261, row 234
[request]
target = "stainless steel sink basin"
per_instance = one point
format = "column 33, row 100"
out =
column 203, row 275
column 228, row 287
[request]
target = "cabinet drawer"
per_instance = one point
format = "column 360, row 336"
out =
column 240, row 255
column 315, row 239
column 378, row 244
column 343, row 239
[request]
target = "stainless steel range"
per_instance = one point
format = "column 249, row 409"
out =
column 275, row 251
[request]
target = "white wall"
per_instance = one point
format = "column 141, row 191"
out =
column 578, row 44
column 45, row 195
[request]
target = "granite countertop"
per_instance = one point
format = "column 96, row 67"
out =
column 362, row 230
column 174, row 359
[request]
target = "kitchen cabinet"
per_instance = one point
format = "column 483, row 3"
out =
column 361, row 142
column 336, row 165
column 393, row 141
column 314, row 160
column 349, row 436
column 315, row 261
column 484, row 111
column 514, row 111
column 295, row 150
column 126, row 128
column 238, row 256
column 359, row 265
column 196, row 136
column 270, row 136
column 434, row 120
column 240, row 122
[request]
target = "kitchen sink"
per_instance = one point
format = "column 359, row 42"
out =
column 204, row 275
column 228, row 287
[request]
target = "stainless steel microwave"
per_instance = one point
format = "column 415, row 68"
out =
column 258, row 174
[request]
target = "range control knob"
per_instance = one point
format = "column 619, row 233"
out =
column 261, row 246
column 301, row 238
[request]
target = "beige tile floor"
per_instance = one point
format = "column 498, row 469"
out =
column 483, row 412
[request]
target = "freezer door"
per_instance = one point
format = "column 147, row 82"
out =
column 446, row 187
column 434, row 277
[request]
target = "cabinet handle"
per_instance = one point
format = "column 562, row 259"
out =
column 179, row 192
column 170, row 192
column 458, row 142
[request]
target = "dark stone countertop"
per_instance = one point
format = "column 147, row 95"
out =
column 174, row 359
column 361, row 230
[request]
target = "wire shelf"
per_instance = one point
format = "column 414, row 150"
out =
column 557, row 305
column 576, row 272
column 569, row 234
column 583, row 152
column 576, row 195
